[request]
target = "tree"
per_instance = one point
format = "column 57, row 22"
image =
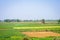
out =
column 59, row 21
column 7, row 20
column 43, row 21
column 18, row 20
column 0, row 20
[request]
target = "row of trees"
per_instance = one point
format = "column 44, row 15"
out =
column 59, row 21
column 12, row 20
column 17, row 20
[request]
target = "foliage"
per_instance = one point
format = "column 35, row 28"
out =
column 47, row 38
column 14, row 34
column 12, row 20
column 43, row 21
column 59, row 21
column 7, row 20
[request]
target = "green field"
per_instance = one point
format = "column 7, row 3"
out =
column 12, row 30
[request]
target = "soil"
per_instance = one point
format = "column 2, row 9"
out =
column 40, row 34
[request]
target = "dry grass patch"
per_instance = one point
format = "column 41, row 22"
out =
column 40, row 34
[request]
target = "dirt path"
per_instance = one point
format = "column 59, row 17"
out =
column 40, row 34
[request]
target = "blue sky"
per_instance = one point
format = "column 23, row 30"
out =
column 30, row 9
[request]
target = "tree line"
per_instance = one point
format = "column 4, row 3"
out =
column 18, row 20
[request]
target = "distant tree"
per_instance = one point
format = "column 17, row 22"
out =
column 43, row 21
column 7, row 20
column 12, row 20
column 18, row 20
column 25, row 20
column 0, row 20
column 59, row 21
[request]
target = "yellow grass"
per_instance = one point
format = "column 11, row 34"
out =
column 35, row 27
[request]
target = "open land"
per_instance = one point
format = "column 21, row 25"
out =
column 30, row 30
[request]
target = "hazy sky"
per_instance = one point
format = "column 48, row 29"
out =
column 29, row 9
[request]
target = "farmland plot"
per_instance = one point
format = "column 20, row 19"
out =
column 40, row 34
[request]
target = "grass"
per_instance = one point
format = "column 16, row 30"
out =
column 18, row 24
column 11, row 35
column 15, row 29
column 47, row 38
column 36, row 27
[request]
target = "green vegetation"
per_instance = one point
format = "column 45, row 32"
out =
column 43, row 21
column 47, row 38
column 7, row 31
column 59, row 21
column 10, row 35
column 25, row 24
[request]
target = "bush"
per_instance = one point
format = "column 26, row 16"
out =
column 59, row 21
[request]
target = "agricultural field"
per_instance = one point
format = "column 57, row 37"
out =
column 29, row 30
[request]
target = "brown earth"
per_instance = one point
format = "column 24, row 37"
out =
column 40, row 34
